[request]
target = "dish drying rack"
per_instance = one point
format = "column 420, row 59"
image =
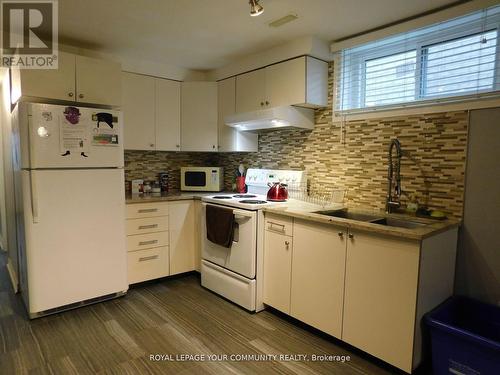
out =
column 323, row 194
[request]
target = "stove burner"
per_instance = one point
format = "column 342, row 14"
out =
column 222, row 197
column 244, row 196
column 252, row 201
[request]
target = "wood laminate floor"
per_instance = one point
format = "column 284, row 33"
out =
column 175, row 317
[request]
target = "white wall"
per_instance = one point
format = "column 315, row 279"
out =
column 3, row 212
column 9, row 235
column 142, row 66
column 309, row 45
column 478, row 258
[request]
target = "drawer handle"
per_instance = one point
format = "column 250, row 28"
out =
column 151, row 257
column 148, row 226
column 271, row 225
column 142, row 243
column 146, row 210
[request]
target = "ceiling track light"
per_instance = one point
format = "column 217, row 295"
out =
column 255, row 8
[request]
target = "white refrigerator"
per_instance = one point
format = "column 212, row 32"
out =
column 69, row 187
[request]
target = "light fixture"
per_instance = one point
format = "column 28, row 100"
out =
column 255, row 8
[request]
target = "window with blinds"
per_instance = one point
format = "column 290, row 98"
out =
column 455, row 60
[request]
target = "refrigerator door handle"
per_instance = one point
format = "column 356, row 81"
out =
column 34, row 197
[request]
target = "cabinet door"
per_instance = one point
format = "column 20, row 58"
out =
column 318, row 271
column 286, row 83
column 138, row 111
column 98, row 81
column 47, row 83
column 380, row 297
column 182, row 236
column 226, row 103
column 199, row 116
column 231, row 140
column 250, row 91
column 168, row 115
column 277, row 270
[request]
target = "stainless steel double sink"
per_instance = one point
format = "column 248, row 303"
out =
column 344, row 213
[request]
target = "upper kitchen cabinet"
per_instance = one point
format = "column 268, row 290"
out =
column 168, row 115
column 231, row 140
column 250, row 91
column 138, row 95
column 302, row 81
column 57, row 84
column 98, row 81
column 199, row 116
column 77, row 79
column 151, row 112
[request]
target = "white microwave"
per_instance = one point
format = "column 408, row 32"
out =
column 202, row 178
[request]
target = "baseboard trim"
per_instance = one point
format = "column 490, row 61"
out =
column 13, row 276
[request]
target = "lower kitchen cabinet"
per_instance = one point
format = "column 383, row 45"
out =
column 277, row 265
column 147, row 264
column 380, row 296
column 182, row 236
column 366, row 288
column 318, row 269
column 147, row 228
column 162, row 239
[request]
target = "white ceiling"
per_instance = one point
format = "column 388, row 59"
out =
column 208, row 34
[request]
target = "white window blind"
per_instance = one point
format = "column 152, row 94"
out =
column 455, row 60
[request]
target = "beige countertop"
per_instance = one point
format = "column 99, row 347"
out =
column 164, row 197
column 306, row 212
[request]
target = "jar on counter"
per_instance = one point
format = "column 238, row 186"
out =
column 147, row 187
column 156, row 187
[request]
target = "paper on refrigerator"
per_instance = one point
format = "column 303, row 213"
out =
column 73, row 137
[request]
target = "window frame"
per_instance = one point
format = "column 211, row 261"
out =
column 356, row 99
column 425, row 46
column 381, row 56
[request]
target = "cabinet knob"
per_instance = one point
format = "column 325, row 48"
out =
column 287, row 244
column 81, row 96
column 261, row 104
column 341, row 234
column 213, row 146
column 151, row 145
column 267, row 103
column 70, row 94
column 351, row 236
column 177, row 146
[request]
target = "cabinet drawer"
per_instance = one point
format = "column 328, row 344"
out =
column 146, row 241
column 139, row 210
column 147, row 225
column 279, row 224
column 147, row 264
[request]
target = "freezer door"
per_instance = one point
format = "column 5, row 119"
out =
column 75, row 240
column 55, row 136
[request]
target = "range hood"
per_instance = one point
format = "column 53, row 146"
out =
column 272, row 119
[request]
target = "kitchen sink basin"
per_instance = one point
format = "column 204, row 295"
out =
column 346, row 214
column 391, row 222
column 367, row 218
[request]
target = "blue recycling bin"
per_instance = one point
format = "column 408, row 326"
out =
column 465, row 337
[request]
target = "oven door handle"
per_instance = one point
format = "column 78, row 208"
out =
column 240, row 217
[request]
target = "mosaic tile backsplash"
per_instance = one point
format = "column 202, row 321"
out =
column 432, row 171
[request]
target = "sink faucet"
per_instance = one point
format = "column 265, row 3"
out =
column 393, row 200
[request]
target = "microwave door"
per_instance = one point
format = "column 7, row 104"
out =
column 195, row 179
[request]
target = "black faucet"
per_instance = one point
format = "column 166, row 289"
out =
column 394, row 177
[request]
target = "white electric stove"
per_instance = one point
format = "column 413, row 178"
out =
column 236, row 273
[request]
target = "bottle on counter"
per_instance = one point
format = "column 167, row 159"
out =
column 163, row 178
